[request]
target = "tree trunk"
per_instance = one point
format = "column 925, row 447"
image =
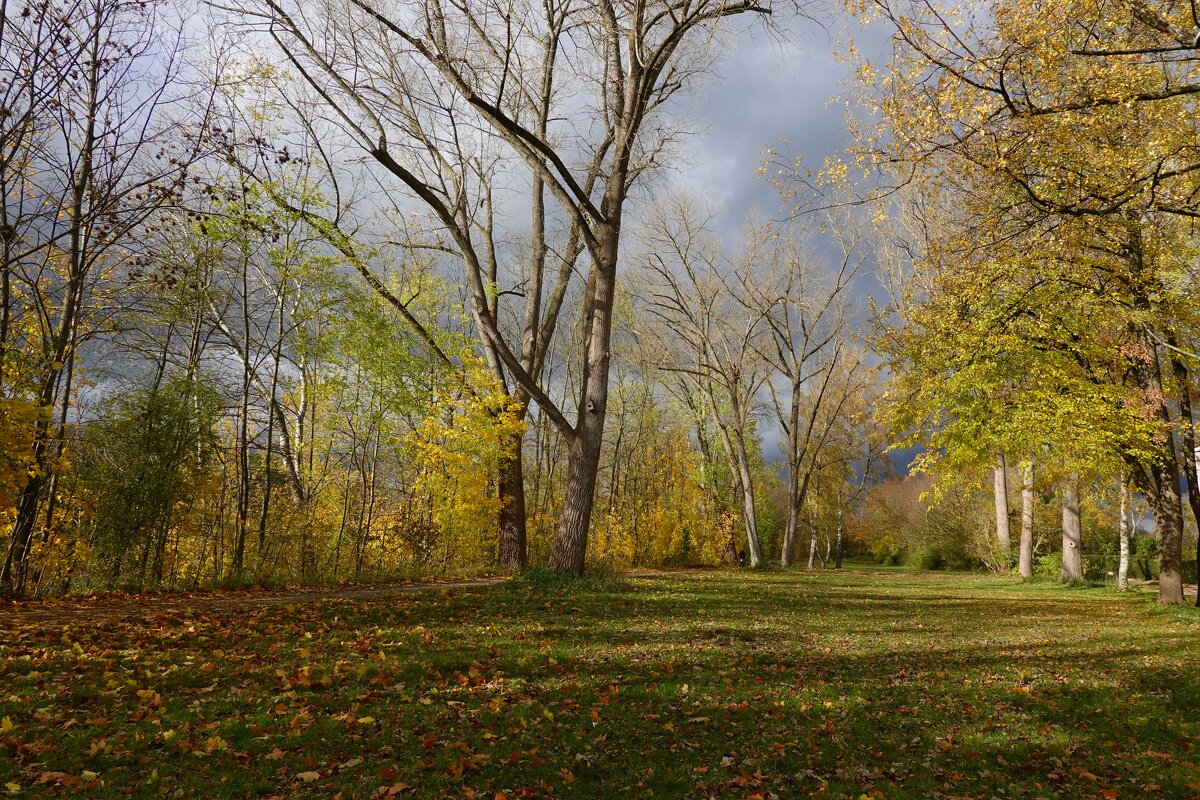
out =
column 569, row 550
column 1000, row 492
column 1025, row 561
column 837, row 556
column 1072, row 534
column 788, row 553
column 735, row 449
column 570, row 536
column 1123, row 532
column 747, row 485
column 512, row 552
column 1167, row 507
column 1188, row 433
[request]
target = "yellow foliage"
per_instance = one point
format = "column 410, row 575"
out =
column 19, row 420
column 466, row 433
column 668, row 516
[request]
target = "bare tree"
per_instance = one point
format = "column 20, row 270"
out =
column 441, row 94
column 806, row 313
column 695, row 295
column 88, row 157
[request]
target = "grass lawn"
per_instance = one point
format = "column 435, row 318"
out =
column 703, row 684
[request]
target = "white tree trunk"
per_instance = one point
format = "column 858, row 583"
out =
column 1025, row 560
column 1003, row 535
column 1123, row 566
column 837, row 553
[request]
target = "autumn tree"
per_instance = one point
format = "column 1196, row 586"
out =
column 1056, row 142
column 90, row 154
column 440, row 96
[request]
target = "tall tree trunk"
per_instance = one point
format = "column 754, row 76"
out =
column 1072, row 538
column 812, row 548
column 742, row 479
column 837, row 557
column 1188, row 434
column 1162, row 492
column 1159, row 480
column 1123, row 533
column 512, row 546
column 1025, row 561
column 746, row 480
column 569, row 550
column 788, row 552
column 1000, row 492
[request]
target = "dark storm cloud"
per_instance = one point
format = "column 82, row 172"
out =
column 789, row 95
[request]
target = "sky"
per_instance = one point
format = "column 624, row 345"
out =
column 788, row 94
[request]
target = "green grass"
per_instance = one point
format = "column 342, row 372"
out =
column 705, row 684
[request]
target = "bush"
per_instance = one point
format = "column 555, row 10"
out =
column 1144, row 546
column 889, row 559
column 924, row 557
column 1049, row 565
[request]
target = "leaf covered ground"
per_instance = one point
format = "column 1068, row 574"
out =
column 727, row 684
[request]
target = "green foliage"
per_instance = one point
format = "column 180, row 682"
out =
column 897, row 525
column 146, row 460
column 1049, row 565
column 924, row 557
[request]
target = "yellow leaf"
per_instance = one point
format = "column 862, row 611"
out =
column 6, row 725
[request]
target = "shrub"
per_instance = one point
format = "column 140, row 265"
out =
column 1049, row 565
column 924, row 557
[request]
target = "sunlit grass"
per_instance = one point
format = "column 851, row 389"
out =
column 724, row 684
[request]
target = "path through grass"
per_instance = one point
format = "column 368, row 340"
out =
column 704, row 684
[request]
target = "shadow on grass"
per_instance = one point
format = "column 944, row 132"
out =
column 711, row 684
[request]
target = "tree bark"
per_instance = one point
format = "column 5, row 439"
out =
column 1167, row 507
column 837, row 557
column 743, row 480
column 1025, row 561
column 1000, row 492
column 1188, row 434
column 569, row 550
column 1072, row 534
column 1123, row 532
column 512, row 548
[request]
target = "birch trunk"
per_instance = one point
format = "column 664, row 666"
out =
column 1025, row 561
column 1123, row 528
column 1000, row 492
column 837, row 556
